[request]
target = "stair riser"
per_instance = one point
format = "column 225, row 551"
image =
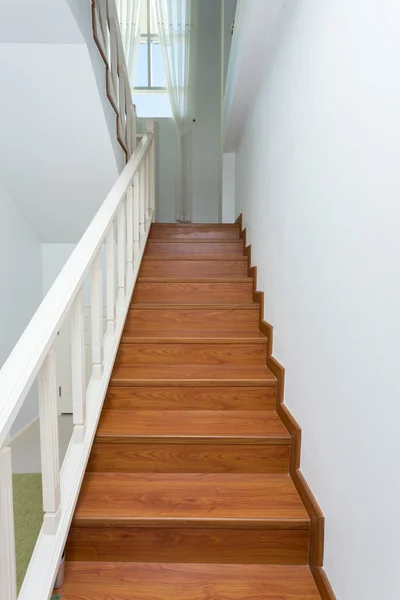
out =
column 195, row 269
column 191, row 354
column 191, row 248
column 193, row 293
column 193, row 233
column 129, row 457
column 186, row 545
column 195, row 398
column 190, row 319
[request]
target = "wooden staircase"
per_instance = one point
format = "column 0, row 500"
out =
column 187, row 493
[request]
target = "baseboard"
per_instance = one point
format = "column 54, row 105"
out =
column 316, row 556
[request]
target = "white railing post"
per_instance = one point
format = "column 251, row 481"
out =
column 150, row 130
column 78, row 369
column 142, row 194
column 121, row 254
column 48, row 419
column 8, row 579
column 136, row 218
column 110, row 282
column 129, row 231
column 96, row 314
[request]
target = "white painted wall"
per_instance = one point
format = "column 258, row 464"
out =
column 166, row 169
column 56, row 159
column 21, row 287
column 228, row 188
column 318, row 184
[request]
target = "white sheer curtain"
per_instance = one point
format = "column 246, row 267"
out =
column 129, row 22
column 177, row 39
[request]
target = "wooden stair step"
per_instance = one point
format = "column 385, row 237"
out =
column 167, row 441
column 184, row 231
column 193, row 375
column 196, row 425
column 232, row 317
column 206, row 291
column 190, row 499
column 197, row 336
column 194, row 268
column 190, row 398
column 158, row 353
column 194, row 247
column 180, row 581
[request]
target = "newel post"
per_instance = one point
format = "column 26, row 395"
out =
column 8, row 581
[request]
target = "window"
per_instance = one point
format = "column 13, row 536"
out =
column 150, row 90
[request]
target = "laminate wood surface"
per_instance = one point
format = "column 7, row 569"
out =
column 194, row 268
column 189, row 545
column 194, row 248
column 121, row 456
column 192, row 375
column 189, row 499
column 166, row 581
column 195, row 398
column 193, row 292
column 158, row 353
column 199, row 335
column 203, row 424
column 164, row 231
column 184, row 317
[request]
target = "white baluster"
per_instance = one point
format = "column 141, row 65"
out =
column 150, row 129
column 136, row 218
column 142, row 193
column 110, row 283
column 121, row 256
column 78, row 369
column 96, row 314
column 129, row 232
column 8, row 581
column 48, row 418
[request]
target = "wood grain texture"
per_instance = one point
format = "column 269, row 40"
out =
column 194, row 248
column 166, row 581
column 193, row 375
column 194, row 457
column 193, row 292
column 184, row 424
column 159, row 353
column 230, row 318
column 196, row 398
column 220, row 546
column 165, row 231
column 247, row 500
column 193, row 268
column 201, row 335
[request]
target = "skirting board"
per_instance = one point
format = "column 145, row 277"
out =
column 316, row 556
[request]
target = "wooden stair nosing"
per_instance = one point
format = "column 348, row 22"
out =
column 195, row 257
column 185, row 306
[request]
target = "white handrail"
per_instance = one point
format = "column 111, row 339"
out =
column 128, row 210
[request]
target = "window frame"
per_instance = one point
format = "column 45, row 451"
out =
column 149, row 38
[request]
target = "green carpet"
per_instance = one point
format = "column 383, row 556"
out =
column 28, row 518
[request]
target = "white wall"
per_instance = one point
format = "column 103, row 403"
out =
column 166, row 169
column 21, row 287
column 318, row 184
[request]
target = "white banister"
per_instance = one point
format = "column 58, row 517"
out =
column 33, row 357
column 8, row 579
column 48, row 419
column 78, row 369
column 110, row 282
column 129, row 231
column 142, row 194
column 136, row 219
column 96, row 317
column 121, row 254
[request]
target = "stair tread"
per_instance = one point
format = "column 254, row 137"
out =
column 156, row 499
column 169, row 581
column 222, row 306
column 191, row 280
column 194, row 337
column 196, row 373
column 205, row 240
column 197, row 424
column 196, row 257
